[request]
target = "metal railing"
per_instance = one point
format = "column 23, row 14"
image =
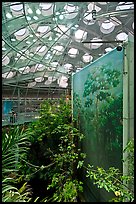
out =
column 20, row 118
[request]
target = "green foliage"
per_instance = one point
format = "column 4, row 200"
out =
column 67, row 159
column 14, row 146
column 112, row 179
column 55, row 155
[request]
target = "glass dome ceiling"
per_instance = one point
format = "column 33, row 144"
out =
column 44, row 43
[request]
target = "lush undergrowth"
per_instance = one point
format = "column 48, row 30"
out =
column 41, row 161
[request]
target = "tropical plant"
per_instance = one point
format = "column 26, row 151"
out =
column 55, row 144
column 67, row 162
column 15, row 144
column 112, row 180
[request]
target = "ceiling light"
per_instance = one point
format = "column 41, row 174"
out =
column 28, row 18
column 38, row 11
column 29, row 11
column 3, row 43
column 28, row 42
column 35, row 18
column 3, row 48
column 61, row 17
column 13, row 39
column 133, row 25
column 8, row 15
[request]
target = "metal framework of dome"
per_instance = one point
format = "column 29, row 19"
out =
column 44, row 43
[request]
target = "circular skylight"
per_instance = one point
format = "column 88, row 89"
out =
column 68, row 67
column 21, row 34
column 78, row 69
column 97, row 44
column 122, row 36
column 5, row 60
column 41, row 50
column 87, row 57
column 88, row 18
column 108, row 49
column 31, row 84
column 39, row 67
column 47, row 82
column 8, row 75
column 92, row 7
column 44, row 31
column 71, row 11
column 122, row 6
column 17, row 9
column 24, row 70
column 52, row 78
column 63, row 29
column 58, row 49
column 33, row 69
column 73, row 52
column 47, row 9
column 39, row 79
column 62, row 81
column 47, row 39
column 107, row 27
column 80, row 35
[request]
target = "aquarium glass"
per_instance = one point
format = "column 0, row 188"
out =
column 98, row 106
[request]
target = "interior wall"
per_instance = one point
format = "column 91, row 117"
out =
column 97, row 97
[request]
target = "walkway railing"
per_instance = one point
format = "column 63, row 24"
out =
column 20, row 118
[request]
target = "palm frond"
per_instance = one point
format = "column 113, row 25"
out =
column 14, row 146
